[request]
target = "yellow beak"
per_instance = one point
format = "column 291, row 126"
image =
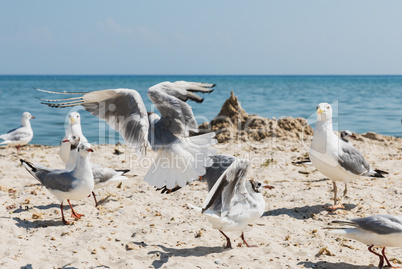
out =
column 319, row 110
column 72, row 120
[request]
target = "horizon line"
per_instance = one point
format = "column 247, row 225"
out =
column 269, row 75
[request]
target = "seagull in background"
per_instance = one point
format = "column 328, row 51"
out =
column 335, row 158
column 233, row 202
column 74, row 127
column 66, row 184
column 346, row 135
column 181, row 159
column 19, row 136
column 103, row 176
column 378, row 230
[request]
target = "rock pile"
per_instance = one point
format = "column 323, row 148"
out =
column 233, row 123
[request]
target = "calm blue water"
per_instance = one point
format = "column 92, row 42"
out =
column 366, row 103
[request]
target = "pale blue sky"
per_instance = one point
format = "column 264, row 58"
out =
column 201, row 37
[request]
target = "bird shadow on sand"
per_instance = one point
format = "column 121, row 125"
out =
column 331, row 265
column 304, row 212
column 167, row 252
column 29, row 224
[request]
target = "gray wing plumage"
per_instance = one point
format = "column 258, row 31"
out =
column 15, row 134
column 170, row 99
column 352, row 160
column 221, row 194
column 219, row 166
column 122, row 109
column 380, row 224
column 54, row 179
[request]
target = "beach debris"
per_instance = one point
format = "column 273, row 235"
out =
column 324, row 251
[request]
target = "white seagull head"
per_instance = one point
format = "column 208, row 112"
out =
column 74, row 118
column 26, row 116
column 324, row 112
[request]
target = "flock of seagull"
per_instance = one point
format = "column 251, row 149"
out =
column 232, row 201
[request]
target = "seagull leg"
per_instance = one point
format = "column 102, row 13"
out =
column 228, row 244
column 74, row 214
column 244, row 240
column 336, row 204
column 379, row 255
column 201, row 179
column 386, row 259
column 96, row 202
column 18, row 149
column 62, row 215
column 345, row 191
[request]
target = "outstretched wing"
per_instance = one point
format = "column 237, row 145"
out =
column 122, row 109
column 170, row 99
column 229, row 182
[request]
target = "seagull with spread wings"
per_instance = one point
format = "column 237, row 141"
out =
column 232, row 202
column 181, row 159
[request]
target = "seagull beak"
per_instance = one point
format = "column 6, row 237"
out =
column 90, row 150
column 268, row 187
column 353, row 136
column 32, row 117
column 65, row 141
column 319, row 110
column 72, row 120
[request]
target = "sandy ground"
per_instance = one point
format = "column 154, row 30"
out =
column 136, row 227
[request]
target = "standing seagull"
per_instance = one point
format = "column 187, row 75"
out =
column 103, row 176
column 344, row 135
column 232, row 202
column 335, row 158
column 19, row 136
column 181, row 158
column 65, row 184
column 74, row 127
column 378, row 230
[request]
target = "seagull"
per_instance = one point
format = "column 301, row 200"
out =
column 19, row 136
column 233, row 202
column 103, row 176
column 66, row 184
column 346, row 135
column 219, row 165
column 335, row 158
column 74, row 127
column 180, row 158
column 377, row 230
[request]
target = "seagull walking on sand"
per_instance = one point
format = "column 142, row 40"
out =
column 74, row 127
column 378, row 230
column 335, row 158
column 181, row 159
column 103, row 176
column 233, row 202
column 66, row 184
column 19, row 136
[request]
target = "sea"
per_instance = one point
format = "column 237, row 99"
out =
column 361, row 103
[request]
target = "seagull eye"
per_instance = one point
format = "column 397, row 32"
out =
column 316, row 107
column 328, row 107
column 259, row 184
